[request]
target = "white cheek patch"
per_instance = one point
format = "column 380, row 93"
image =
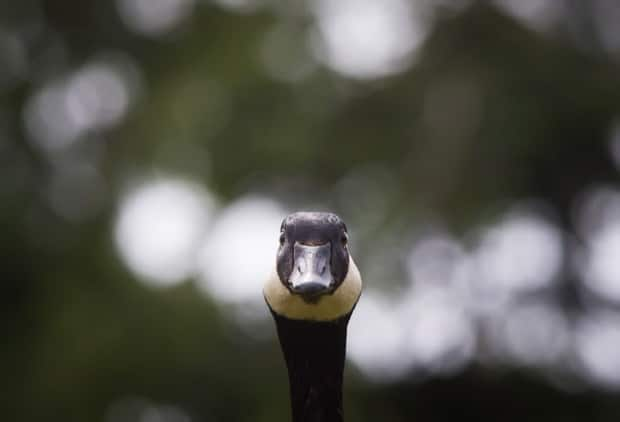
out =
column 327, row 308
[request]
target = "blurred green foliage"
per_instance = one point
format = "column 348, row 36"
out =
column 490, row 112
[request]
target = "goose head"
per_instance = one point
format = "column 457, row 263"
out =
column 315, row 277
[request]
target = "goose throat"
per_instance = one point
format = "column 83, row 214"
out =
column 311, row 294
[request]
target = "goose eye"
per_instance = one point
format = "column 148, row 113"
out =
column 282, row 239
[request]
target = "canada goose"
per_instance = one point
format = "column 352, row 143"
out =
column 311, row 295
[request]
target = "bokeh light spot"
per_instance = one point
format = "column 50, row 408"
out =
column 536, row 334
column 598, row 347
column 47, row 121
column 437, row 260
column 381, row 356
column 94, row 97
column 97, row 96
column 598, row 220
column 442, row 334
column 602, row 271
column 240, row 251
column 539, row 15
column 521, row 253
column 154, row 17
column 424, row 330
column 365, row 38
column 159, row 228
column 137, row 409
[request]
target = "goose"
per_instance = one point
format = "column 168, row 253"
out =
column 311, row 294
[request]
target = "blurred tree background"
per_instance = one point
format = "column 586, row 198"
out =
column 150, row 149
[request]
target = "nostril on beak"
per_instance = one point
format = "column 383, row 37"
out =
column 299, row 269
column 322, row 270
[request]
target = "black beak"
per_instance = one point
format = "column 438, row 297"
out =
column 311, row 276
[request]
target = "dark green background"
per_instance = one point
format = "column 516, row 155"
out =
column 80, row 333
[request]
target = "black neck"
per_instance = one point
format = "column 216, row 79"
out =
column 314, row 354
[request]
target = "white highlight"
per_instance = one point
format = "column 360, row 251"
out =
column 95, row 97
column 154, row 17
column 377, row 339
column 539, row 15
column 437, row 261
column 602, row 273
column 240, row 6
column 522, row 253
column 428, row 331
column 240, row 250
column 366, row 38
column 598, row 347
column 535, row 334
column 442, row 335
column 47, row 121
column 159, row 228
column 143, row 410
column 599, row 223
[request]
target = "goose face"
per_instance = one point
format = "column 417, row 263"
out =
column 313, row 257
column 315, row 277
